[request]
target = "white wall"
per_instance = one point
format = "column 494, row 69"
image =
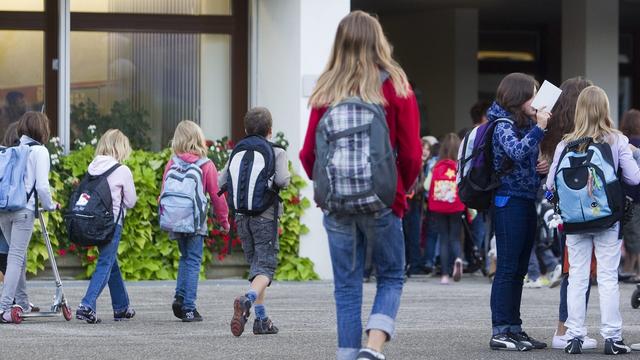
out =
column 291, row 41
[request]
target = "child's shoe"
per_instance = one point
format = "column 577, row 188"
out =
column 241, row 312
column 191, row 316
column 177, row 307
column 264, row 327
column 574, row 346
column 124, row 315
column 88, row 315
column 444, row 280
column 369, row 354
column 457, row 270
column 613, row 347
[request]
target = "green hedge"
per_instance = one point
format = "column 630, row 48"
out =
column 146, row 252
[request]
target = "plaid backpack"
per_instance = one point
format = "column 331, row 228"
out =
column 355, row 168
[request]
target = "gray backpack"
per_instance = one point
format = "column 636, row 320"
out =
column 355, row 167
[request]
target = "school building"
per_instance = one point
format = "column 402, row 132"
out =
column 209, row 60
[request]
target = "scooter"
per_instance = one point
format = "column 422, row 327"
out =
column 59, row 305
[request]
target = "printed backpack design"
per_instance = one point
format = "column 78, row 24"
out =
column 443, row 192
column 13, row 165
column 355, row 168
column 252, row 168
column 477, row 179
column 183, row 203
column 589, row 192
column 89, row 216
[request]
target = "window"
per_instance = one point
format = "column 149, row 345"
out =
column 145, row 83
column 22, row 69
column 175, row 7
column 21, row 5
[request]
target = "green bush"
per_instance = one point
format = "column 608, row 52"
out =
column 146, row 252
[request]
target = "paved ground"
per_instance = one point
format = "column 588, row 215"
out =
column 435, row 322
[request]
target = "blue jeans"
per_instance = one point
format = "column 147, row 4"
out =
column 108, row 272
column 348, row 236
column 189, row 268
column 431, row 241
column 4, row 245
column 548, row 258
column 515, row 228
column 412, row 223
column 479, row 230
column 449, row 227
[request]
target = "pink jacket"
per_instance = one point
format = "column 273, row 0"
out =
column 123, row 191
column 210, row 178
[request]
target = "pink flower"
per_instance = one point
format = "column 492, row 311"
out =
column 91, row 258
column 62, row 252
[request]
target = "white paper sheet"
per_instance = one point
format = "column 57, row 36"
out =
column 546, row 97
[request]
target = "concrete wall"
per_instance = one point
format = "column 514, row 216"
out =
column 291, row 43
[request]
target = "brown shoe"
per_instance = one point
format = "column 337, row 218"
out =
column 241, row 312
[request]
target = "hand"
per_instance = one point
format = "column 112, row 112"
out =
column 542, row 118
column 542, row 167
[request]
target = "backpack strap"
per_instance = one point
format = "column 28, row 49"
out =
column 110, row 171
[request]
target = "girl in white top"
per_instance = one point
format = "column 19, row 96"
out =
column 17, row 226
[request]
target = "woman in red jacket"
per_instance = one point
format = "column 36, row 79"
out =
column 360, row 58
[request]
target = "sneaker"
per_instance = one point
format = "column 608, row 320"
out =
column 444, row 280
column 613, row 347
column 124, row 315
column 32, row 309
column 5, row 317
column 457, row 269
column 525, row 338
column 241, row 312
column 177, row 306
column 85, row 314
column 533, row 284
column 635, row 347
column 264, row 327
column 556, row 277
column 574, row 346
column 560, row 342
column 191, row 316
column 370, row 354
column 508, row 342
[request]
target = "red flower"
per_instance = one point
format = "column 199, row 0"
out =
column 220, row 257
column 72, row 247
column 91, row 258
column 295, row 200
column 231, row 144
column 280, row 231
column 209, row 143
column 62, row 252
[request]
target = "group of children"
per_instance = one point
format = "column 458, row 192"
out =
column 257, row 229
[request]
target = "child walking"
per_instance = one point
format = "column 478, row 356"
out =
column 446, row 208
column 189, row 162
column 113, row 148
column 17, row 225
column 606, row 151
column 256, row 214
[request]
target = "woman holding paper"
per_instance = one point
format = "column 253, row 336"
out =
column 515, row 148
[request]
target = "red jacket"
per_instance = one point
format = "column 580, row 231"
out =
column 443, row 191
column 403, row 119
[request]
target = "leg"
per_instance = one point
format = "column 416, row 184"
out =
column 193, row 261
column 533, row 269
column 117, row 289
column 579, row 250
column 455, row 230
column 442, row 227
column 102, row 273
column 607, row 249
column 17, row 227
column 386, row 230
column 530, row 224
column 344, row 239
column 182, row 267
column 431, row 242
column 411, row 224
column 265, row 259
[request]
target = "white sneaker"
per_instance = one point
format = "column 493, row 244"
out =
column 635, row 347
column 560, row 342
column 533, row 284
column 556, row 276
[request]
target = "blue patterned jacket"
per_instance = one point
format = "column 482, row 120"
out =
column 521, row 145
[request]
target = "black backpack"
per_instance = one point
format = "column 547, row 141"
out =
column 250, row 175
column 89, row 216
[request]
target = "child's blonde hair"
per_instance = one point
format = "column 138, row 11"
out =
column 592, row 117
column 189, row 138
column 115, row 144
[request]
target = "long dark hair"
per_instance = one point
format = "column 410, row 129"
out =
column 562, row 120
column 449, row 147
column 514, row 90
column 631, row 123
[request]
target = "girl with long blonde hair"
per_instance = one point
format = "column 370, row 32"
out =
column 361, row 65
column 592, row 121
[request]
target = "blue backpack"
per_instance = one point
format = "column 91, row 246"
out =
column 588, row 189
column 250, row 175
column 183, row 203
column 13, row 165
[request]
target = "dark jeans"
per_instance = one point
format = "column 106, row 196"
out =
column 449, row 227
column 515, row 228
column 412, row 223
column 431, row 240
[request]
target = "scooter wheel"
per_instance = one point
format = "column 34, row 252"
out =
column 66, row 312
column 16, row 315
column 635, row 299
